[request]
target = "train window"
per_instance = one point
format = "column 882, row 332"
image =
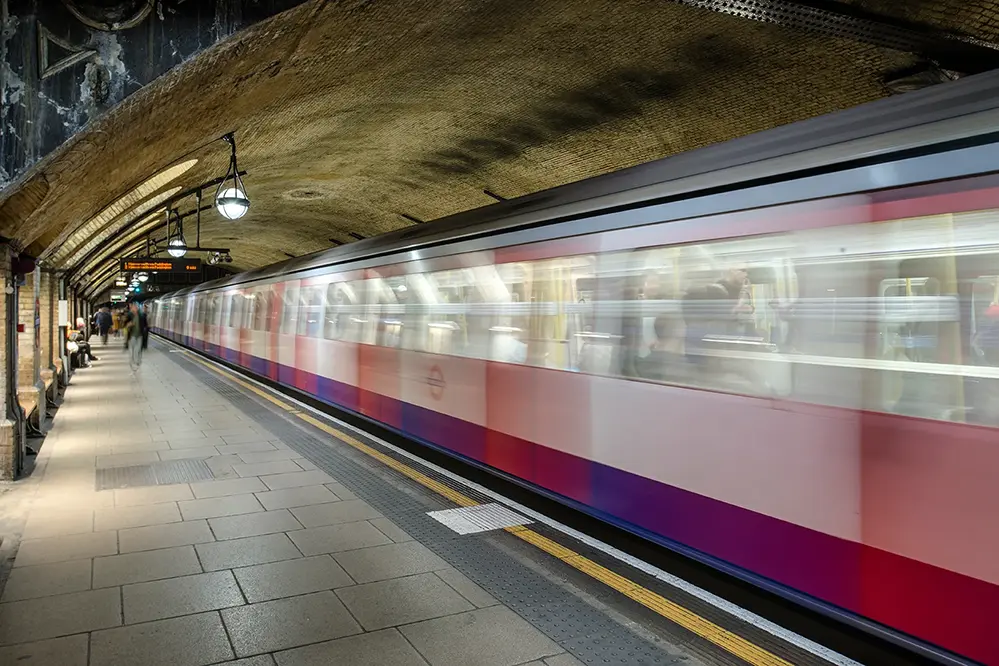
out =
column 249, row 310
column 444, row 311
column 310, row 319
column 226, row 309
column 236, row 310
column 261, row 309
column 388, row 312
column 289, row 309
column 345, row 313
column 697, row 315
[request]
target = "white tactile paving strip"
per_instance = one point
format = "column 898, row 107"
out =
column 478, row 518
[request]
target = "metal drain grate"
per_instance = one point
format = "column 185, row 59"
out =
column 154, row 474
column 480, row 518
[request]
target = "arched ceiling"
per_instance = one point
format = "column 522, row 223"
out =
column 359, row 117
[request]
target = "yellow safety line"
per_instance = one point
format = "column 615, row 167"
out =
column 723, row 638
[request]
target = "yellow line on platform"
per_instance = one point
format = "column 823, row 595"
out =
column 720, row 637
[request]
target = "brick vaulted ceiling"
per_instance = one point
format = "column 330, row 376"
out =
column 359, row 117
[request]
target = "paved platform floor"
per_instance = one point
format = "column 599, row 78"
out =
column 271, row 561
column 183, row 516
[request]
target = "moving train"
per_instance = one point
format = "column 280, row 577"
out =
column 779, row 355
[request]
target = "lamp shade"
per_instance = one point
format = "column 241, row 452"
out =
column 177, row 247
column 232, row 203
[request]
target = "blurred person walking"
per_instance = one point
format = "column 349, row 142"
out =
column 136, row 335
column 104, row 324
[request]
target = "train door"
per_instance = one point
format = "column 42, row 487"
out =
column 443, row 391
column 229, row 325
column 188, row 319
column 216, row 313
column 379, row 358
column 258, row 347
column 287, row 332
column 342, row 331
column 312, row 303
column 980, row 339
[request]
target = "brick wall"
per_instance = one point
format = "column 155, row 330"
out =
column 7, row 440
column 47, row 298
column 26, row 340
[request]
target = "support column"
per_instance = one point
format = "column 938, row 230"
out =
column 64, row 326
column 10, row 463
column 47, row 301
column 29, row 393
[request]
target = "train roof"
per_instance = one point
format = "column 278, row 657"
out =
column 871, row 132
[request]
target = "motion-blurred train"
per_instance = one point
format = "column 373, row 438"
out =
column 779, row 354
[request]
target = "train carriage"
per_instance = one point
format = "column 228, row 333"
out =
column 779, row 355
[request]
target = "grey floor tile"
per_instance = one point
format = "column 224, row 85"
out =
column 127, row 459
column 390, row 529
column 66, row 651
column 62, row 549
column 221, row 466
column 152, row 495
column 195, row 443
column 165, row 436
column 260, row 660
column 194, row 640
column 467, row 588
column 390, row 561
column 296, row 479
column 293, row 497
column 237, row 430
column 379, row 648
column 347, row 511
column 268, row 456
column 195, row 452
column 246, row 552
column 259, row 469
column 62, row 615
column 398, row 601
column 306, row 464
column 494, row 636
column 337, row 538
column 288, row 623
column 341, row 491
column 253, row 524
column 44, row 524
column 238, row 449
column 125, row 517
column 164, row 536
column 139, row 447
column 564, row 659
column 227, row 487
column 145, row 566
column 291, row 577
column 244, row 438
column 186, row 595
column 215, row 507
column 183, row 426
column 47, row 579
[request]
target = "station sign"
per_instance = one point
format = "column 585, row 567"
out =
column 165, row 265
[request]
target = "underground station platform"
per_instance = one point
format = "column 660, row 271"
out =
column 182, row 514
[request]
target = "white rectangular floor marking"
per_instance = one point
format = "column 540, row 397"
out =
column 478, row 518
